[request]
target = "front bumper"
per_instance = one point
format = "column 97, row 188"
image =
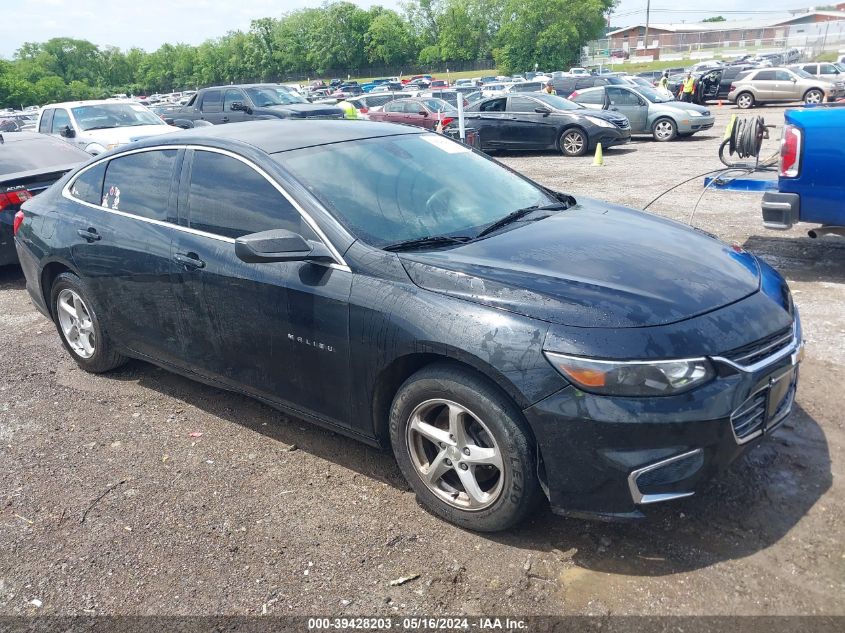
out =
column 609, row 457
column 609, row 137
column 695, row 124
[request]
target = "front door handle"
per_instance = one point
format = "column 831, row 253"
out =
column 89, row 234
column 225, row 119
column 190, row 261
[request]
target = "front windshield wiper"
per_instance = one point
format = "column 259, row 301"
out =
column 423, row 242
column 100, row 127
column 513, row 216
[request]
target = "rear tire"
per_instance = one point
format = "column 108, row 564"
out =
column 745, row 100
column 79, row 326
column 464, row 448
column 573, row 142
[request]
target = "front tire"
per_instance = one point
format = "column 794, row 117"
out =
column 664, row 130
column 573, row 142
column 813, row 96
column 79, row 326
column 464, row 449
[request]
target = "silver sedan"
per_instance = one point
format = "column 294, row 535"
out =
column 649, row 111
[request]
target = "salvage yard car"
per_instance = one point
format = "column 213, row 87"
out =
column 98, row 126
column 649, row 111
column 539, row 121
column 770, row 85
column 506, row 340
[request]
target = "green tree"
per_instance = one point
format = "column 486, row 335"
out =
column 388, row 39
column 715, row 18
column 547, row 32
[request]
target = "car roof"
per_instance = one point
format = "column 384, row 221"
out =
column 74, row 104
column 283, row 135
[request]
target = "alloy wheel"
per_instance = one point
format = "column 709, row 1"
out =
column 573, row 143
column 75, row 323
column 455, row 455
column 664, row 130
column 744, row 101
column 813, row 96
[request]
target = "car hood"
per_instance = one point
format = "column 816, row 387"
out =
column 593, row 265
column 302, row 110
column 127, row 134
column 680, row 105
column 618, row 119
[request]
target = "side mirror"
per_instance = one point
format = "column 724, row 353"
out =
column 422, row 113
column 68, row 132
column 279, row 245
column 542, row 110
column 237, row 106
column 185, row 124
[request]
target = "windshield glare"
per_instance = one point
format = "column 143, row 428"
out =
column 270, row 96
column 557, row 102
column 390, row 189
column 109, row 115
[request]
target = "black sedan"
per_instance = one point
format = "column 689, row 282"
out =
column 29, row 163
column 507, row 341
column 529, row 121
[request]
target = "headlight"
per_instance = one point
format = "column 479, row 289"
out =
column 693, row 113
column 599, row 122
column 633, row 378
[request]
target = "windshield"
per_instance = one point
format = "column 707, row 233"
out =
column 270, row 96
column 109, row 115
column 802, row 73
column 439, row 105
column 654, row 96
column 389, row 189
column 557, row 102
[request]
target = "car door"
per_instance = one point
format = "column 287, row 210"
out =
column 785, row 86
column 120, row 233
column 491, row 118
column 278, row 330
column 62, row 124
column 233, row 95
column 415, row 113
column 764, row 85
column 394, row 112
column 524, row 128
column 630, row 104
column 212, row 106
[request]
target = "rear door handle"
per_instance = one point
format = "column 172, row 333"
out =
column 189, row 260
column 89, row 234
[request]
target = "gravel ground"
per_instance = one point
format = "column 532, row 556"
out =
column 140, row 492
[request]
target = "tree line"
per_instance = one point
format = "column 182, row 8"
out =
column 337, row 37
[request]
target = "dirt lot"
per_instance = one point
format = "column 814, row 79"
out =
column 265, row 514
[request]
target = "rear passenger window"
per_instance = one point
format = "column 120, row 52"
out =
column 212, row 101
column 140, row 183
column 89, row 186
column 227, row 197
column 765, row 75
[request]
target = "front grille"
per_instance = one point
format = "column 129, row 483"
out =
column 751, row 415
column 760, row 349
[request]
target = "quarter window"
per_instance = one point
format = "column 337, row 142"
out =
column 89, row 186
column 227, row 197
column 140, row 184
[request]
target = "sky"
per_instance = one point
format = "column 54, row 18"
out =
column 149, row 23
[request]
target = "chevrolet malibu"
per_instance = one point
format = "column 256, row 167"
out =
column 507, row 341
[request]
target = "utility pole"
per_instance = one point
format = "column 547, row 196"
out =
column 647, row 15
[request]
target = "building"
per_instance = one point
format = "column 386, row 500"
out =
column 704, row 34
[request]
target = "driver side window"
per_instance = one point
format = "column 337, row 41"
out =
column 621, row 97
column 783, row 75
column 61, row 120
column 231, row 97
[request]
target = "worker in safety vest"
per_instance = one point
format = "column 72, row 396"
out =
column 549, row 89
column 663, row 84
column 688, row 88
column 349, row 111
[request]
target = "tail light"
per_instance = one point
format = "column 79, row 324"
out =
column 790, row 152
column 573, row 95
column 732, row 88
column 17, row 222
column 14, row 198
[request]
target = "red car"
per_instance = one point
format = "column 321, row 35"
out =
column 420, row 112
column 438, row 83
